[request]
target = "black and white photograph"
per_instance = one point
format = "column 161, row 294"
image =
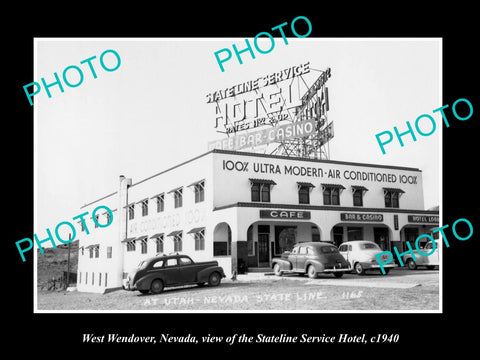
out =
column 243, row 182
column 259, row 188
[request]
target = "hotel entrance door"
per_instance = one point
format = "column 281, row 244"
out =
column 263, row 250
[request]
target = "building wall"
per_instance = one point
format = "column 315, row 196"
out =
column 282, row 171
column 227, row 211
column 190, row 215
column 102, row 270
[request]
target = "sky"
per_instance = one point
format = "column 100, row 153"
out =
column 151, row 113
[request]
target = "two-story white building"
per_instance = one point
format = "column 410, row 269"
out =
column 242, row 209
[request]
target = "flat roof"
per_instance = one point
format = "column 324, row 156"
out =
column 269, row 156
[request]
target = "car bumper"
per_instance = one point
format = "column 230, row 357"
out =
column 344, row 268
column 367, row 265
column 128, row 286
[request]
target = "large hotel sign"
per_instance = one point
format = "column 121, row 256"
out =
column 270, row 102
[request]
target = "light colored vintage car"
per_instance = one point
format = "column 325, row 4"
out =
column 429, row 261
column 360, row 254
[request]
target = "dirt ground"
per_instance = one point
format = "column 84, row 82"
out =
column 400, row 290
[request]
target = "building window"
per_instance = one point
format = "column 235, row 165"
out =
column 199, row 192
column 96, row 222
column 331, row 194
column 93, row 278
column 80, row 277
column 160, row 203
column 315, row 234
column 109, row 252
column 178, row 198
column 304, row 192
column 354, row 233
column 261, row 189
column 143, row 245
column 107, row 215
column 131, row 211
column 97, row 251
column 159, row 244
column 177, row 242
column 82, row 228
column 250, row 245
column 392, row 197
column 357, row 198
column 86, row 277
column 200, row 240
column 145, row 207
column 82, row 250
column 358, row 192
column 106, row 278
column 90, row 250
column 99, row 279
column 131, row 246
column 223, row 248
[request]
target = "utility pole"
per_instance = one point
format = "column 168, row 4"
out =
column 68, row 262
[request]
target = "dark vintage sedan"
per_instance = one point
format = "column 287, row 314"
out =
column 156, row 273
column 311, row 258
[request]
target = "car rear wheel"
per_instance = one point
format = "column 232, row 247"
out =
column 214, row 279
column 276, row 270
column 312, row 273
column 411, row 264
column 144, row 291
column 338, row 274
column 157, row 286
column 359, row 269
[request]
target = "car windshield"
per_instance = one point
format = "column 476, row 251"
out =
column 329, row 249
column 369, row 246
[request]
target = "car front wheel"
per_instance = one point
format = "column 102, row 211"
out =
column 411, row 264
column 312, row 273
column 157, row 286
column 214, row 279
column 359, row 269
column 276, row 270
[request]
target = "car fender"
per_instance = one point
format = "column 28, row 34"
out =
column 204, row 274
column 318, row 265
column 284, row 264
column 145, row 281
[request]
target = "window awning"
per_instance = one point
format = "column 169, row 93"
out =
column 174, row 233
column 262, row 181
column 158, row 195
column 362, row 188
column 334, row 186
column 394, row 190
column 156, row 235
column 92, row 246
column 195, row 230
column 176, row 189
column 196, row 182
column 140, row 201
column 128, row 240
column 301, row 183
column 143, row 237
